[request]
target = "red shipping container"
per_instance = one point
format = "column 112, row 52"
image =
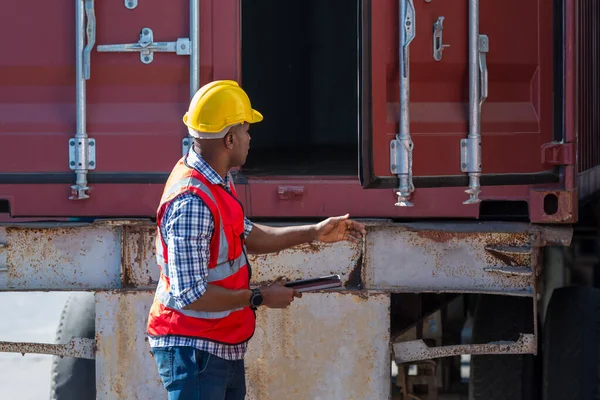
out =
column 326, row 77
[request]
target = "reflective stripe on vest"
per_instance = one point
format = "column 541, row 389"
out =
column 223, row 246
column 163, row 296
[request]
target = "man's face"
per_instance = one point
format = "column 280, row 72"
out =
column 241, row 144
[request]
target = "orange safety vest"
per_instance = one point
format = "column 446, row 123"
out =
column 227, row 267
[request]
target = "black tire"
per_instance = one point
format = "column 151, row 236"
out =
column 75, row 378
column 572, row 344
column 503, row 377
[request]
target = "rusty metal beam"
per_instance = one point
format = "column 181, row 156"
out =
column 76, row 347
column 416, row 350
column 409, row 257
column 457, row 257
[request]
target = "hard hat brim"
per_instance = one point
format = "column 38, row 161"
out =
column 256, row 117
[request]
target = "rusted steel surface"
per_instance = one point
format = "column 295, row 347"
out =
column 310, row 260
column 483, row 258
column 125, row 368
column 411, row 257
column 76, row 347
column 293, row 353
column 553, row 206
column 417, row 349
column 139, row 268
column 60, row 257
column 325, row 346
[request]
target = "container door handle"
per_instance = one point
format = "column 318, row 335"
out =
column 438, row 44
column 91, row 36
column 484, row 47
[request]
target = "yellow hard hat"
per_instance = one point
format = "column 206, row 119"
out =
column 216, row 107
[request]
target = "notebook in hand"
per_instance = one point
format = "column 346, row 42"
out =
column 323, row 282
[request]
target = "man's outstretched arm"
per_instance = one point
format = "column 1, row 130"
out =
column 268, row 239
column 189, row 228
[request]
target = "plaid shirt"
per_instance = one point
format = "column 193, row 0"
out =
column 187, row 226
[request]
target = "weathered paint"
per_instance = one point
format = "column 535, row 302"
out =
column 292, row 355
column 76, row 347
column 484, row 258
column 123, row 358
column 567, row 206
column 310, row 260
column 326, row 346
column 60, row 257
column 139, row 268
column 417, row 349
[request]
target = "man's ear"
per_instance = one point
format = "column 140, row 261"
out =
column 229, row 140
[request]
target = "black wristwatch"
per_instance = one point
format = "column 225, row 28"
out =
column 256, row 299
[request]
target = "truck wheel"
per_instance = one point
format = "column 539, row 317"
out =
column 75, row 378
column 572, row 344
column 502, row 376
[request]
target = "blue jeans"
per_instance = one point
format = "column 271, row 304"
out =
column 191, row 374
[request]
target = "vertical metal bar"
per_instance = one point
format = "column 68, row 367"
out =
column 195, row 39
column 471, row 146
column 474, row 117
column 194, row 62
column 401, row 148
column 79, row 145
column 80, row 83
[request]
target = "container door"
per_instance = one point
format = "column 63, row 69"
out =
column 460, row 95
column 92, row 95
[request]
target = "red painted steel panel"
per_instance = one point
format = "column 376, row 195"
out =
column 134, row 110
column 517, row 115
column 106, row 200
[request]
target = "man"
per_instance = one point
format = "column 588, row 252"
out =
column 203, row 311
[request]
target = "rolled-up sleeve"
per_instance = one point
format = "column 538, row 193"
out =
column 247, row 227
column 188, row 227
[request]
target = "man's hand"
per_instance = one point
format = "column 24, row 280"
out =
column 276, row 295
column 336, row 229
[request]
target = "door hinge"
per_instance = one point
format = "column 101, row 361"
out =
column 557, row 153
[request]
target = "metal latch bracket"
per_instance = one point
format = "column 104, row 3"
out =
column 82, row 157
column 469, row 160
column 438, row 45
column 82, row 153
column 557, row 153
column 146, row 46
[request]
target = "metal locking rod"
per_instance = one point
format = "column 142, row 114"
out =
column 82, row 154
column 146, row 46
column 478, row 91
column 401, row 147
column 187, row 141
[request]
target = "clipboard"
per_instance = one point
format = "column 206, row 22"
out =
column 320, row 283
